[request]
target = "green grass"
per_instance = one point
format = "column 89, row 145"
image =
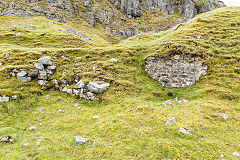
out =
column 130, row 124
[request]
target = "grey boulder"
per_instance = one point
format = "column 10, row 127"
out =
column 80, row 85
column 94, row 87
column 39, row 65
column 45, row 61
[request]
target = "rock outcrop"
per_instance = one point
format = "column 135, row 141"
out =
column 104, row 13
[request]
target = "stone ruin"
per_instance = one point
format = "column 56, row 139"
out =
column 175, row 71
column 42, row 72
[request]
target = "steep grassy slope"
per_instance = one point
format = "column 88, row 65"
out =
column 130, row 124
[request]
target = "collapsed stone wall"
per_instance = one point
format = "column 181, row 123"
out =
column 175, row 71
column 42, row 72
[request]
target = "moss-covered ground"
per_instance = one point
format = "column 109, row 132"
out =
column 130, row 124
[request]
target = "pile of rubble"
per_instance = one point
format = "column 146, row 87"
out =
column 44, row 69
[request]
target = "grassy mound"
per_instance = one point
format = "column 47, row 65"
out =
column 131, row 125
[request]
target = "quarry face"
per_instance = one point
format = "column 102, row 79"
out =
column 175, row 71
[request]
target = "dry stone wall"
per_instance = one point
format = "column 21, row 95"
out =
column 175, row 71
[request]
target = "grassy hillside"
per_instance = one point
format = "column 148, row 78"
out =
column 130, row 125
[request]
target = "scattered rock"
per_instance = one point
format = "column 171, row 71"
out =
column 224, row 116
column 6, row 139
column 236, row 154
column 184, row 131
column 32, row 128
column 14, row 97
column 94, row 87
column 170, row 121
column 22, row 73
column 79, row 140
column 18, row 34
column 25, row 144
column 4, row 98
column 24, row 79
column 114, row 60
column 95, row 117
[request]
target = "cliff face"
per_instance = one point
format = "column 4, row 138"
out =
column 122, row 18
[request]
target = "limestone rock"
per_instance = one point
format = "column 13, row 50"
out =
column 171, row 121
column 114, row 60
column 6, row 139
column 24, row 79
column 236, row 154
column 4, row 98
column 14, row 97
column 184, row 131
column 80, row 85
column 79, row 140
column 45, row 61
column 22, row 73
column 94, row 87
column 42, row 82
column 224, row 116
column 39, row 65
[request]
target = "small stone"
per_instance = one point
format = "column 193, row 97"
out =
column 40, row 124
column 51, row 68
column 54, row 81
column 21, row 74
column 1, row 63
column 170, row 121
column 76, row 92
column 45, row 61
column 24, row 79
column 42, row 73
column 95, row 67
column 42, row 82
column 38, row 143
column 32, row 128
column 236, row 154
column 64, row 89
column 6, row 55
column 114, row 60
column 94, row 87
column 14, row 97
column 6, row 139
column 80, row 85
column 184, row 131
column 40, row 109
column 39, row 119
column 95, row 117
column 25, row 144
column 18, row 34
column 90, row 94
column 79, row 140
column 76, row 105
column 5, row 98
column 69, row 91
column 39, row 65
column 33, row 72
column 224, row 116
